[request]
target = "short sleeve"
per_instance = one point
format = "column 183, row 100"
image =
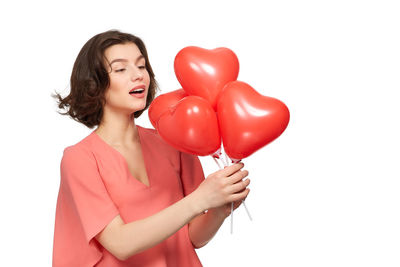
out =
column 192, row 174
column 84, row 208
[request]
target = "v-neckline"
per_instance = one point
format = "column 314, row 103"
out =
column 125, row 161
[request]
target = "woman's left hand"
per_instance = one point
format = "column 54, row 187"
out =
column 225, row 210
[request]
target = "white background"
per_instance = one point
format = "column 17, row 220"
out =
column 326, row 193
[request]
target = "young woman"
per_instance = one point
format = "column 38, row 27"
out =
column 127, row 198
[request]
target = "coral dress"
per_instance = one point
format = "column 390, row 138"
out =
column 96, row 185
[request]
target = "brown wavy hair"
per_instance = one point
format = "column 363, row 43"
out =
column 89, row 79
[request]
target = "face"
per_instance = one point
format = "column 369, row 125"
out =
column 129, row 79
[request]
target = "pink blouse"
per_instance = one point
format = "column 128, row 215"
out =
column 96, row 185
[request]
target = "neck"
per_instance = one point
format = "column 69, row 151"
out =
column 118, row 129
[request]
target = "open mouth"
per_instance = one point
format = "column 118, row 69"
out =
column 136, row 91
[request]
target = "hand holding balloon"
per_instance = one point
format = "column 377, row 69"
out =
column 222, row 187
column 214, row 106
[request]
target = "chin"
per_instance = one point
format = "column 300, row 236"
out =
column 139, row 108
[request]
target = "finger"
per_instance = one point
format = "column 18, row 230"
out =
column 239, row 186
column 236, row 177
column 228, row 171
column 239, row 196
column 237, row 204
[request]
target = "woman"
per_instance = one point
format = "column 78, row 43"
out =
column 127, row 198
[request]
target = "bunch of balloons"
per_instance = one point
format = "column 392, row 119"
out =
column 213, row 108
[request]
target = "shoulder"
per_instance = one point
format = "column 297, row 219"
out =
column 159, row 142
column 147, row 131
column 79, row 167
column 153, row 136
column 155, row 143
column 79, row 153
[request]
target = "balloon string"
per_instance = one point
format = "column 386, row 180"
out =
column 231, row 217
column 219, row 165
column 226, row 159
column 226, row 163
column 247, row 211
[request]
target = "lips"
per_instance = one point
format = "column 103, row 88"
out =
column 138, row 89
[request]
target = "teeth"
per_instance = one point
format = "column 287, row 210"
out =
column 137, row 91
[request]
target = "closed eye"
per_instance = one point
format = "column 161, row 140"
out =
column 120, row 70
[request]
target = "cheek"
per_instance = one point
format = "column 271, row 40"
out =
column 115, row 82
column 114, row 92
column 147, row 77
column 118, row 86
column 108, row 96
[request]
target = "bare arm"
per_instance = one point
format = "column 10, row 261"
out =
column 124, row 240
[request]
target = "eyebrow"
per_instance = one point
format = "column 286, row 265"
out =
column 125, row 60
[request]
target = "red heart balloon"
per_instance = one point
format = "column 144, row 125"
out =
column 204, row 72
column 161, row 104
column 191, row 126
column 249, row 120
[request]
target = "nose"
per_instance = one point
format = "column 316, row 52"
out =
column 136, row 74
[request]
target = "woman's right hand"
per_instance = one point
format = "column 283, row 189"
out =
column 222, row 187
